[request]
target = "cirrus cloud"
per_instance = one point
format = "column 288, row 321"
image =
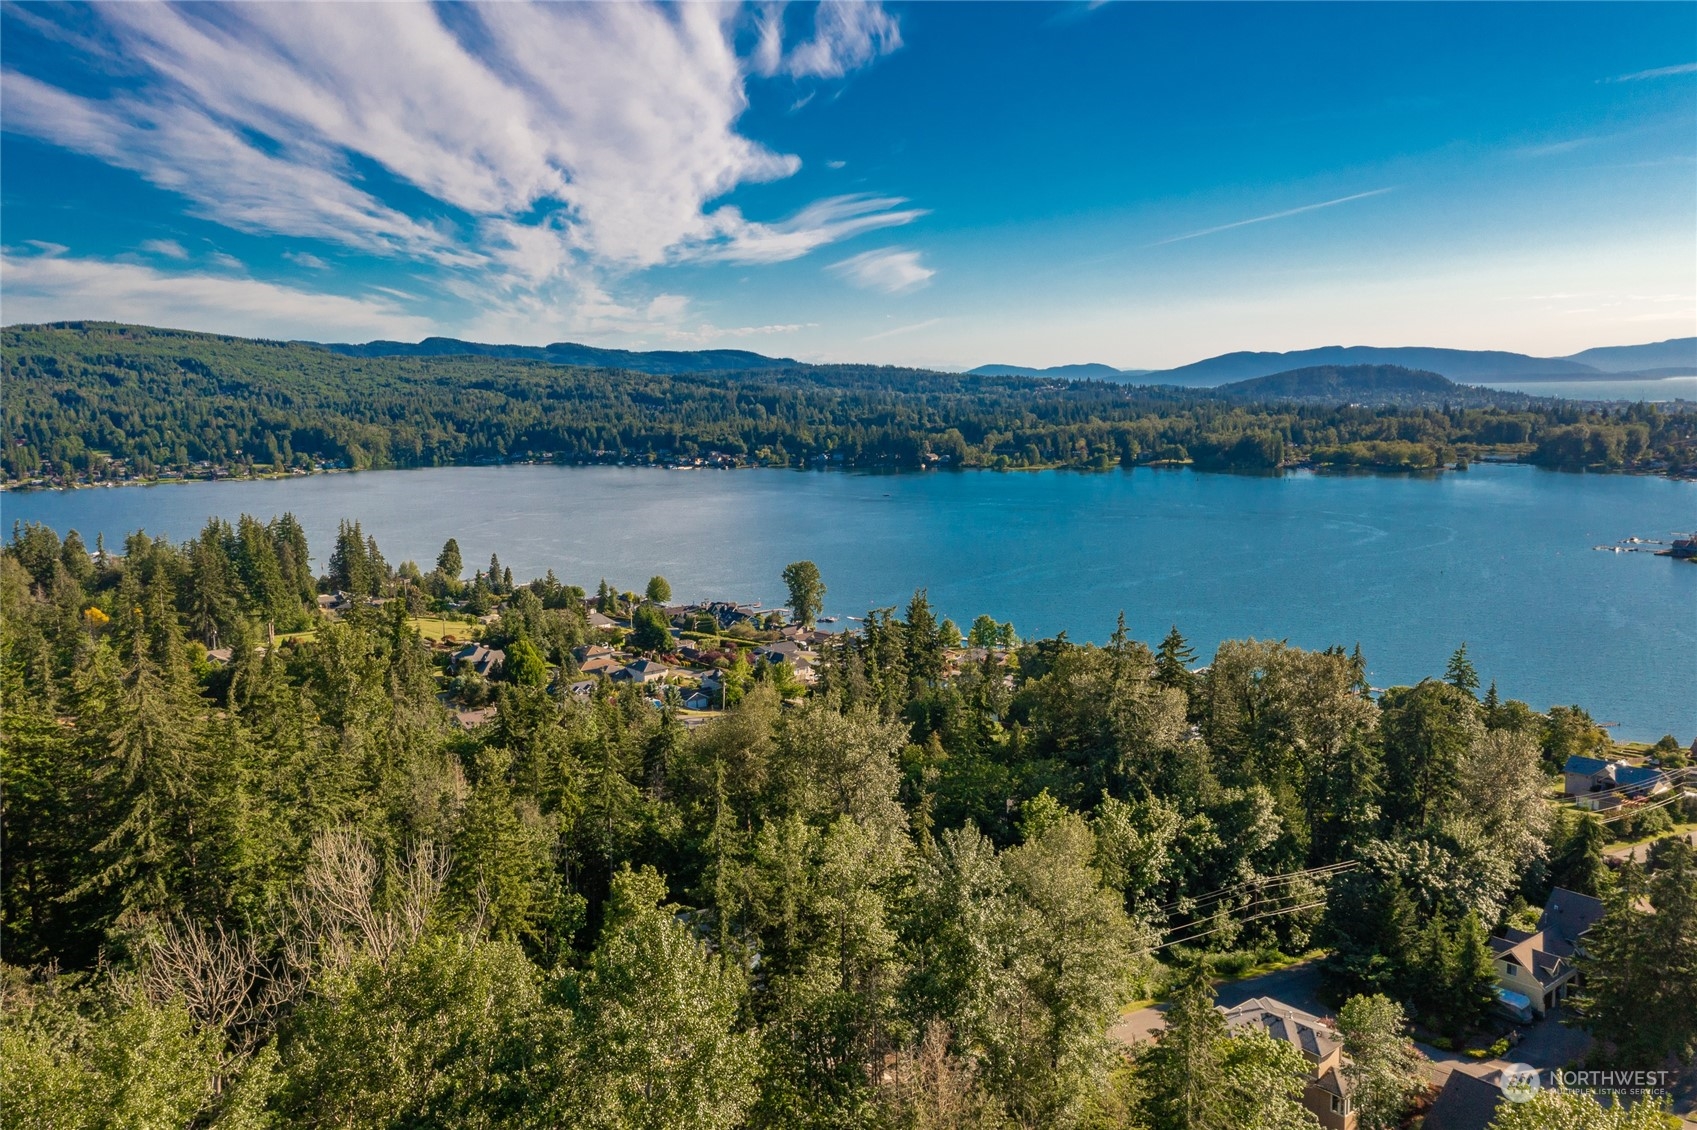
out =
column 891, row 270
column 529, row 150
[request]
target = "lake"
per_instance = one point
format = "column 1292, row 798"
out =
column 1662, row 389
column 1409, row 567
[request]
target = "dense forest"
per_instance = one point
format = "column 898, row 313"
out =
column 284, row 888
column 103, row 402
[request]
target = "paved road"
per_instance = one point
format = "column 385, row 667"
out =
column 1638, row 852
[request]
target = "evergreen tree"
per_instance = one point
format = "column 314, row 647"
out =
column 1640, row 969
column 1183, row 1074
column 659, row 591
column 1461, row 674
column 922, row 640
column 1173, row 660
column 449, row 563
column 1581, row 865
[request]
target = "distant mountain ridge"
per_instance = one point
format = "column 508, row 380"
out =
column 1662, row 358
column 1677, row 356
column 1090, row 371
column 667, row 361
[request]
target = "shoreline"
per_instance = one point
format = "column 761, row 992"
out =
column 1344, row 469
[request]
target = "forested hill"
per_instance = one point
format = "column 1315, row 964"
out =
column 106, row 402
column 256, row 880
column 571, row 353
column 1334, row 384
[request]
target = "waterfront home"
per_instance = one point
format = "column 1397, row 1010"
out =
column 1326, row 1094
column 601, row 623
column 583, row 688
column 1597, row 784
column 699, row 700
column 1535, row 969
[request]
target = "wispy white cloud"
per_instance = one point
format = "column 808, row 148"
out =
column 826, row 221
column 555, row 144
column 847, row 35
column 1554, row 148
column 51, row 287
column 835, row 164
column 899, row 330
column 1656, row 72
column 1270, row 216
column 306, row 259
column 891, row 270
column 169, row 248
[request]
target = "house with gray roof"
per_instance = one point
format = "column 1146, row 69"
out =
column 642, row 671
column 1537, row 966
column 1327, row 1093
column 485, row 661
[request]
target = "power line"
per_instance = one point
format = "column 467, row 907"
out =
column 1325, row 871
column 1231, row 925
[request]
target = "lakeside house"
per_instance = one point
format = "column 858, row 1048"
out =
column 1598, row 784
column 1535, row 968
column 1326, row 1095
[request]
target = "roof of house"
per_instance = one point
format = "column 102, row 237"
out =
column 1467, row 1102
column 1529, row 953
column 1309, row 1034
column 1567, row 915
column 1619, row 772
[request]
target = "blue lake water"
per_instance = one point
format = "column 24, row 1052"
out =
column 1498, row 556
column 1660, row 390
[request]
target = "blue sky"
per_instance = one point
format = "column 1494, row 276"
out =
column 940, row 184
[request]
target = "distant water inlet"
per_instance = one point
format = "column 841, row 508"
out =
column 1499, row 556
